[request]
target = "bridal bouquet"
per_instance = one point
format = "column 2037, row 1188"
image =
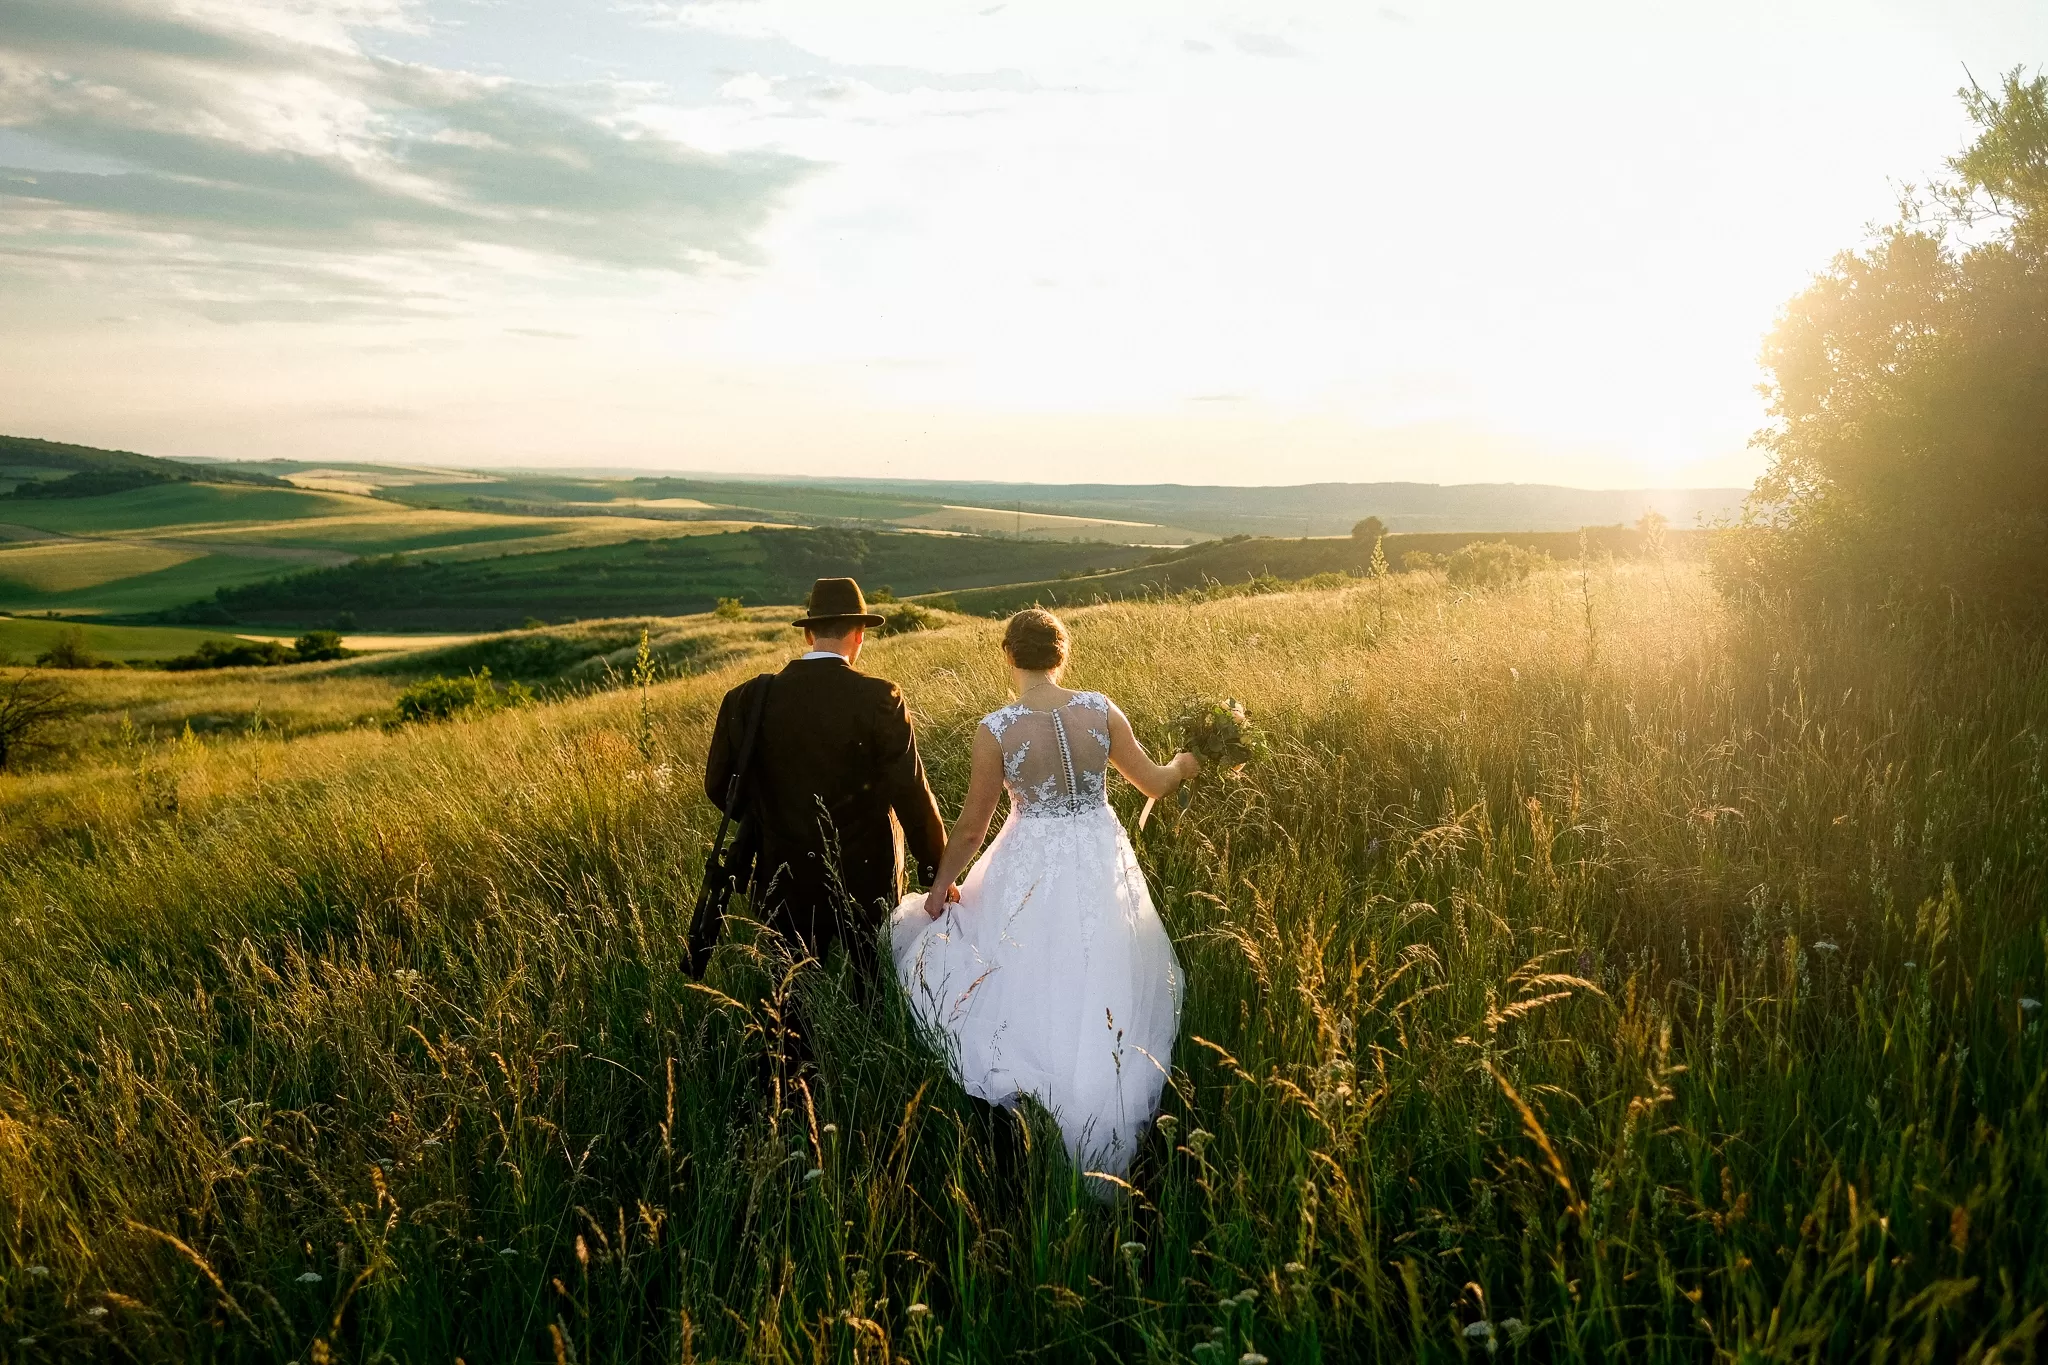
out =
column 1220, row 734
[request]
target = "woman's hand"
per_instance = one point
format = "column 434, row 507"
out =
column 935, row 903
column 1187, row 765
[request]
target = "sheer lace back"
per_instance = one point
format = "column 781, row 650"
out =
column 1055, row 762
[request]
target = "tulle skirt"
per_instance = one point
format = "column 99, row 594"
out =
column 1053, row 977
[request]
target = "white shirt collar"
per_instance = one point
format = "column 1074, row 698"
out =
column 824, row 654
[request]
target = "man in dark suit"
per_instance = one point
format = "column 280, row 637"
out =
column 834, row 757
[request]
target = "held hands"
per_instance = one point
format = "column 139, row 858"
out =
column 935, row 903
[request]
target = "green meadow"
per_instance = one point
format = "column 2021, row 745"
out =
column 1593, row 971
column 22, row 638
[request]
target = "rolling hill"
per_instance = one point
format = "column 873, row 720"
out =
column 1241, row 558
column 671, row 576
column 28, row 460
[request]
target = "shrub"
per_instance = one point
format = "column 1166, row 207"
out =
column 444, row 698
column 729, row 609
column 1324, row 582
column 944, row 601
column 233, row 654
column 1491, row 564
column 909, row 617
column 29, row 705
column 69, row 650
column 1420, row 561
column 318, row 645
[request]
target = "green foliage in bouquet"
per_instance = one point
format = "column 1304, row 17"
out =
column 1219, row 733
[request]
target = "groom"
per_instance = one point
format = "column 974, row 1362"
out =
column 834, row 757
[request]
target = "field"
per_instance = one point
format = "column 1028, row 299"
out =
column 21, row 639
column 1591, row 970
column 671, row 576
column 1240, row 559
column 164, row 546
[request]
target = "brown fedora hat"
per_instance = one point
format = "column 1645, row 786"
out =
column 836, row 601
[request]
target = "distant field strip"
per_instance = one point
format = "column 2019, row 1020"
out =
column 182, row 505
column 996, row 521
column 64, row 566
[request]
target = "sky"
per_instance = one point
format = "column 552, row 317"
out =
column 1042, row 240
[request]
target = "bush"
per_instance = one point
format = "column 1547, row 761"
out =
column 1324, row 582
column 729, row 609
column 69, row 650
column 29, row 706
column 909, row 617
column 233, row 654
column 1491, row 564
column 1420, row 561
column 316, row 646
column 445, row 698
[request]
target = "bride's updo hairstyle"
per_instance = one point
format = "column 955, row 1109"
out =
column 1035, row 639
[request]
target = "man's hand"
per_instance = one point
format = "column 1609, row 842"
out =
column 936, row 902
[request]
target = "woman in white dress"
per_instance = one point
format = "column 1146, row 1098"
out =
column 1047, row 972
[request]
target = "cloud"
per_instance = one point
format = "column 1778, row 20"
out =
column 262, row 128
column 1265, row 45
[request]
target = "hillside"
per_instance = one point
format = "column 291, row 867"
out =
column 25, row 460
column 1670, row 978
column 1326, row 509
column 1241, row 558
column 1152, row 514
column 140, row 549
column 664, row 577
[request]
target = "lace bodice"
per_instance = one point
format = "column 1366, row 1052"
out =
column 1055, row 762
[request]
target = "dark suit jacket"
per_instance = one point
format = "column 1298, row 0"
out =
column 835, row 756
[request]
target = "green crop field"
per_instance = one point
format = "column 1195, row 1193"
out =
column 1592, row 971
column 22, row 639
column 100, row 577
column 670, row 576
column 172, row 505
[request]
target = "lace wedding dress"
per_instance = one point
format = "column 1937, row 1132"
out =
column 1052, row 976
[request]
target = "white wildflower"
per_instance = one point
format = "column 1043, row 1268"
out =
column 918, row 1310
column 1827, row 945
column 41, row 1272
column 95, row 1312
column 813, row 1174
column 310, row 1277
column 1251, row 1358
column 1132, row 1248
column 2029, row 1004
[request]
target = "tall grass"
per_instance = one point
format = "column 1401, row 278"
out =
column 1589, row 971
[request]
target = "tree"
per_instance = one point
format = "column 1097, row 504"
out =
column 29, row 706
column 69, row 650
column 1909, row 395
column 318, row 645
column 1368, row 531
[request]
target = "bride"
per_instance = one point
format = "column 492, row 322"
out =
column 1047, row 972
